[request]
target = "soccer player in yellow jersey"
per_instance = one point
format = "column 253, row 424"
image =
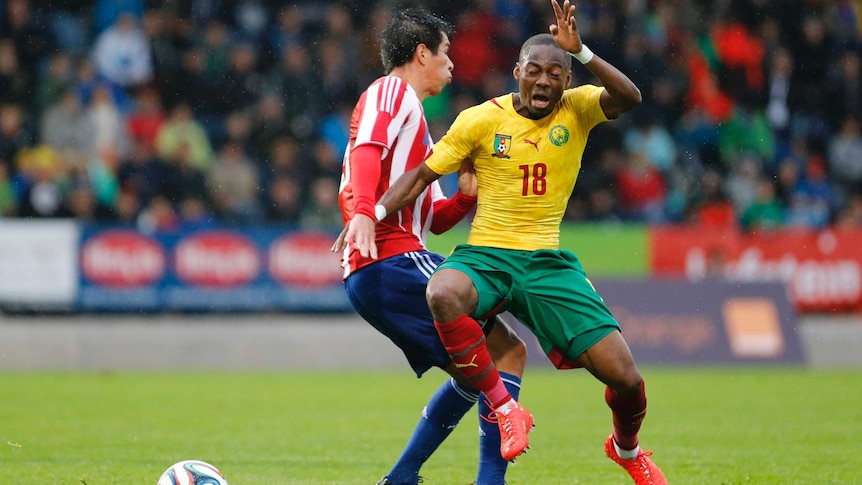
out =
column 526, row 148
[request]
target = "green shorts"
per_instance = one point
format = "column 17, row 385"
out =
column 547, row 290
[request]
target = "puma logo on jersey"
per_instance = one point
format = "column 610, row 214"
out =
column 472, row 363
column 534, row 143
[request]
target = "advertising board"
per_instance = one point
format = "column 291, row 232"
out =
column 822, row 269
column 218, row 269
column 709, row 322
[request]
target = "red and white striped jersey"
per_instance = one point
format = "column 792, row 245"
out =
column 388, row 114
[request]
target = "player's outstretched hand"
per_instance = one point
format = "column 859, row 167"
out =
column 360, row 231
column 565, row 32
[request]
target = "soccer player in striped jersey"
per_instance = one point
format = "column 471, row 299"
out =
column 389, row 136
column 526, row 148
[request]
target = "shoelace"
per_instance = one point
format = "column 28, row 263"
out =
column 641, row 466
column 507, row 423
column 491, row 417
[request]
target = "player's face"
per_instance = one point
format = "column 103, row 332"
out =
column 542, row 77
column 439, row 67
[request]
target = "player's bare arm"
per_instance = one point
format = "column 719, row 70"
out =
column 407, row 188
column 620, row 95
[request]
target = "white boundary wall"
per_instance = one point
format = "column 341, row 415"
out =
column 271, row 342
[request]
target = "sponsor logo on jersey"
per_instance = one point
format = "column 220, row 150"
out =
column 502, row 144
column 559, row 135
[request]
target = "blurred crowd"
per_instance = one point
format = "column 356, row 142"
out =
column 178, row 113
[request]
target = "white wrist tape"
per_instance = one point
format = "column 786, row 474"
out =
column 379, row 212
column 585, row 55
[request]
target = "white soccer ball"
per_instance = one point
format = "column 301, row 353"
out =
column 192, row 472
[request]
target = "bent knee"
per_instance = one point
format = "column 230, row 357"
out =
column 452, row 293
column 440, row 295
column 628, row 383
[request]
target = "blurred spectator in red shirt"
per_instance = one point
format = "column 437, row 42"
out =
column 642, row 189
column 712, row 208
column 147, row 117
column 472, row 55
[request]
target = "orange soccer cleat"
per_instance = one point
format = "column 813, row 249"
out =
column 642, row 470
column 514, row 425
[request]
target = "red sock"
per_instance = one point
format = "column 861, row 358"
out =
column 629, row 412
column 465, row 342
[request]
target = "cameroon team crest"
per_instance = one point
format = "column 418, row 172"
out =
column 559, row 135
column 502, row 143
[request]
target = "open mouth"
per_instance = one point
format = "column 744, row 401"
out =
column 541, row 101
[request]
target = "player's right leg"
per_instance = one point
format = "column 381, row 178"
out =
column 452, row 298
column 510, row 356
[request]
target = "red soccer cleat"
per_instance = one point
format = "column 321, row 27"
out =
column 514, row 427
column 642, row 470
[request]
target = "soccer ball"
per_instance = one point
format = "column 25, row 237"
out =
column 192, row 472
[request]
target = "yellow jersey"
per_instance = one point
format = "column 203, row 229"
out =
column 526, row 169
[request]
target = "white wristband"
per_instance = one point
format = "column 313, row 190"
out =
column 379, row 212
column 584, row 56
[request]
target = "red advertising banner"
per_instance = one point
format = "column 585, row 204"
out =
column 822, row 269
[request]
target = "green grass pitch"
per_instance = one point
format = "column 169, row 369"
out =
column 706, row 426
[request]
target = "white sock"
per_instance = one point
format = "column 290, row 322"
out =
column 507, row 406
column 626, row 454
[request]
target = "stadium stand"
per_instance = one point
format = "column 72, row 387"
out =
column 164, row 113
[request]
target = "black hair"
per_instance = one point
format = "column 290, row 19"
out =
column 406, row 31
column 542, row 39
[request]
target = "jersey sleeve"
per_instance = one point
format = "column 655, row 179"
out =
column 585, row 101
column 380, row 113
column 447, row 212
column 365, row 171
column 456, row 145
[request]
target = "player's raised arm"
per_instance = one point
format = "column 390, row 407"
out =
column 621, row 95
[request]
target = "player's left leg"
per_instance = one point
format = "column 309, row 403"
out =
column 611, row 361
column 390, row 295
column 576, row 328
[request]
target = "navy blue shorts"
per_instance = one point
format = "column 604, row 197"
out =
column 390, row 295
